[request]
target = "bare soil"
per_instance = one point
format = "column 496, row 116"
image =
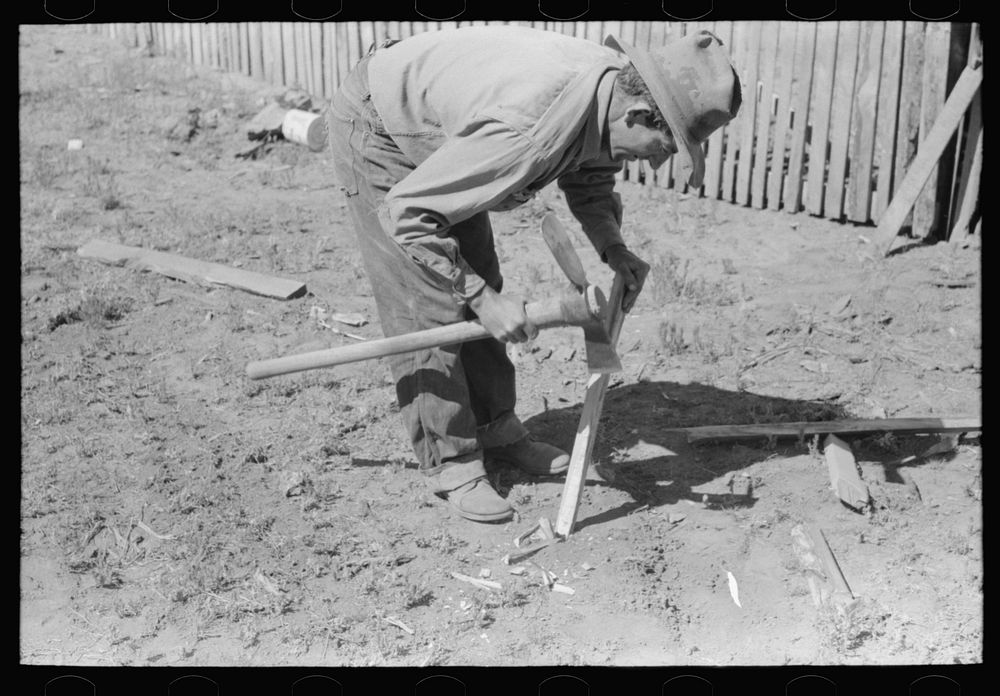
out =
column 174, row 512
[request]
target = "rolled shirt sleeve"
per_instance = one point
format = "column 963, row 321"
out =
column 590, row 193
column 472, row 172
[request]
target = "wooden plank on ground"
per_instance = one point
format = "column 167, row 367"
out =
column 844, row 477
column 716, row 142
column 734, row 128
column 761, row 161
column 748, row 124
column 191, row 270
column 887, row 117
column 784, row 66
column 826, row 50
column 927, row 156
column 840, row 116
column 937, row 40
column 720, row 433
column 861, row 181
column 908, row 125
column 586, row 431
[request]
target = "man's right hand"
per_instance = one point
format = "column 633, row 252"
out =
column 503, row 316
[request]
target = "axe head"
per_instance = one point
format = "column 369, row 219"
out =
column 601, row 355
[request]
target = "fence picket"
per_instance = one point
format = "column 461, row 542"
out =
column 802, row 82
column 782, row 120
column 750, row 104
column 840, row 131
column 865, row 118
column 908, row 124
column 769, row 40
column 826, row 48
column 832, row 115
column 886, row 118
column 343, row 52
column 733, row 129
column 713, row 164
column 927, row 208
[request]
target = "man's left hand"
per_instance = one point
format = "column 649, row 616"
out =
column 633, row 270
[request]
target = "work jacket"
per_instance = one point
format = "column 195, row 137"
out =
column 490, row 115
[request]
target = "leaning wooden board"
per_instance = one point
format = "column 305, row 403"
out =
column 719, row 433
column 191, row 270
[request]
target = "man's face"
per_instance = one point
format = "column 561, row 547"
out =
column 632, row 137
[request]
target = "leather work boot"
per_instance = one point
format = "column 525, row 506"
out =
column 466, row 489
column 536, row 458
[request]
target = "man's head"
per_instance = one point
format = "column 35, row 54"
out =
column 636, row 126
column 671, row 100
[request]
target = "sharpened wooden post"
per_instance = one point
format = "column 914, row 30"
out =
column 586, row 431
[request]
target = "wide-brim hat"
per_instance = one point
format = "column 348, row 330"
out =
column 695, row 86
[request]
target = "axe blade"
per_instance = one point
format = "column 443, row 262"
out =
column 601, row 356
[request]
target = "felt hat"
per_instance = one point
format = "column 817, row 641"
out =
column 695, row 86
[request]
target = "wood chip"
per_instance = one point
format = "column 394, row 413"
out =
column 565, row 589
column 484, row 584
column 399, row 624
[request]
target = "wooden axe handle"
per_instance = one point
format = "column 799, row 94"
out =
column 568, row 309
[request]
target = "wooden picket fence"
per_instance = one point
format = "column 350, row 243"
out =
column 832, row 112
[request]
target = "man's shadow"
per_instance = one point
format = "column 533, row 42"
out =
column 639, row 451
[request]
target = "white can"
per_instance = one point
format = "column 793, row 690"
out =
column 305, row 128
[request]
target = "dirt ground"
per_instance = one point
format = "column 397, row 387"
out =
column 174, row 512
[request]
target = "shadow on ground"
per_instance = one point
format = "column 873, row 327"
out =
column 639, row 451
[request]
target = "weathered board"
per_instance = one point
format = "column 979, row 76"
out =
column 761, row 161
column 840, row 130
column 888, row 109
column 191, row 270
column 826, row 47
column 784, row 68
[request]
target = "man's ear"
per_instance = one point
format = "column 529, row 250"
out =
column 639, row 112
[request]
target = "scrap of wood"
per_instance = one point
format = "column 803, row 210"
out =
column 191, row 270
column 928, row 153
column 826, row 580
column 478, row 582
column 399, row 624
column 704, row 433
column 844, row 476
column 517, row 556
column 586, row 431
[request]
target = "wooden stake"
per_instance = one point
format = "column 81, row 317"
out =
column 586, row 431
column 930, row 151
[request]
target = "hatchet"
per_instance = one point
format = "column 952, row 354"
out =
column 584, row 306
